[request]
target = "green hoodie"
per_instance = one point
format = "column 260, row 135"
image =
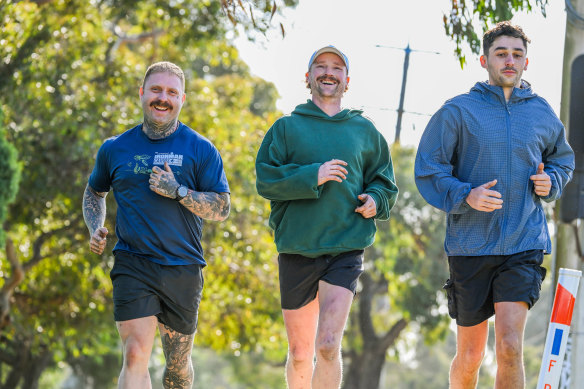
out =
column 314, row 220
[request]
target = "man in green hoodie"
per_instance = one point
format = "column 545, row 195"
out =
column 328, row 174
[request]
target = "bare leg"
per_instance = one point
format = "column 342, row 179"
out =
column 137, row 339
column 335, row 303
column 301, row 330
column 177, row 347
column 510, row 318
column 470, row 350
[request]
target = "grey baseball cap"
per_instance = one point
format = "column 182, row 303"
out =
column 329, row 49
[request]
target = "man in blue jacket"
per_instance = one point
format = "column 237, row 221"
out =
column 488, row 158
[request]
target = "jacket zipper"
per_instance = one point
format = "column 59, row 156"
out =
column 508, row 178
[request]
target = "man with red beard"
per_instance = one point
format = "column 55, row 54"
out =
column 166, row 178
column 328, row 174
column 488, row 158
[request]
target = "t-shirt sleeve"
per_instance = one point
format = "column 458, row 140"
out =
column 100, row 178
column 211, row 176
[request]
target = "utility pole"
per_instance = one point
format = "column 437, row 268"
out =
column 570, row 235
column 400, row 109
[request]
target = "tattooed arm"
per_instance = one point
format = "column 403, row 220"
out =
column 94, row 215
column 207, row 205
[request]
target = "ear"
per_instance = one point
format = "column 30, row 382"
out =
column 526, row 63
column 306, row 75
column 483, row 60
column 184, row 98
column 141, row 92
column 348, row 79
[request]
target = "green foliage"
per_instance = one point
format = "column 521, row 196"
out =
column 74, row 68
column 461, row 24
column 9, row 177
column 407, row 260
column 410, row 253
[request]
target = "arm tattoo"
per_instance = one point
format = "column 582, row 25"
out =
column 167, row 186
column 177, row 352
column 208, row 205
column 93, row 209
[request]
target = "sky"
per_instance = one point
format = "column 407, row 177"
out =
column 376, row 72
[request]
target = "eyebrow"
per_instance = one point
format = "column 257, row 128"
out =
column 507, row 48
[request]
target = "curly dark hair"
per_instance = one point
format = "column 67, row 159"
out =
column 503, row 29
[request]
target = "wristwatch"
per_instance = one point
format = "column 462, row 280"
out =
column 181, row 192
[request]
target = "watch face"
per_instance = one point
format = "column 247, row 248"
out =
column 182, row 191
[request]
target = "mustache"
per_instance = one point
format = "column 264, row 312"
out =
column 328, row 77
column 511, row 69
column 161, row 103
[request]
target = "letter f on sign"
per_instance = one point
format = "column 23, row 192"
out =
column 551, row 364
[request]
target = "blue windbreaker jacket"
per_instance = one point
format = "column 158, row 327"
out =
column 477, row 137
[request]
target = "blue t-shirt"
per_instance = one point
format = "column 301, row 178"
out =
column 155, row 227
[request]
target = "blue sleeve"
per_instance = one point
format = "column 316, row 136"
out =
column 558, row 160
column 434, row 164
column 211, row 176
column 100, row 178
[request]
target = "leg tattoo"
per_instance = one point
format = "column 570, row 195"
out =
column 177, row 348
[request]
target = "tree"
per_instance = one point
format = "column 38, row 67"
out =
column 400, row 286
column 460, row 25
column 74, row 68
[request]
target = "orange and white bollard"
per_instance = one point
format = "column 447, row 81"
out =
column 559, row 328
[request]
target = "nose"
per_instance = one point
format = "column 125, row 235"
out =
column 509, row 60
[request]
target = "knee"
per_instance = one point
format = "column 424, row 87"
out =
column 300, row 354
column 509, row 348
column 471, row 358
column 328, row 347
column 136, row 355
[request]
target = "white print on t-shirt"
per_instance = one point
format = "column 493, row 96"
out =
column 171, row 158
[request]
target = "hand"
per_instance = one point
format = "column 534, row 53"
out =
column 369, row 208
column 98, row 240
column 163, row 181
column 332, row 170
column 542, row 183
column 483, row 199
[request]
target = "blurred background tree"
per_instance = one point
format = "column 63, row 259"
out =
column 70, row 77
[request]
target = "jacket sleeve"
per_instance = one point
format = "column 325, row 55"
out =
column 379, row 180
column 558, row 160
column 435, row 160
column 279, row 180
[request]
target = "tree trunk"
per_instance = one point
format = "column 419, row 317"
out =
column 25, row 367
column 364, row 370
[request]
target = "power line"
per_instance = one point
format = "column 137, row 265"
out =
column 400, row 109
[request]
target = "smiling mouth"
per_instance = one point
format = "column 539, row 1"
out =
column 160, row 106
column 328, row 80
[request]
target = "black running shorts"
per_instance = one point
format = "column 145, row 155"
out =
column 299, row 275
column 144, row 288
column 477, row 283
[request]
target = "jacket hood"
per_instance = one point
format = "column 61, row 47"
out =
column 494, row 94
column 312, row 110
